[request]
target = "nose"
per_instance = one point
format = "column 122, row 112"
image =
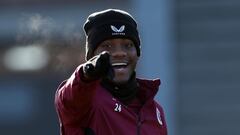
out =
column 119, row 52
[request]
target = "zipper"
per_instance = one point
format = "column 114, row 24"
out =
column 138, row 124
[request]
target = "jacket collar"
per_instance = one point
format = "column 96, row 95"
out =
column 148, row 88
column 124, row 92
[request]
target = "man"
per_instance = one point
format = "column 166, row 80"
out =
column 103, row 95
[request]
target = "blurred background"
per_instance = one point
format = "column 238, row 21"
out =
column 191, row 45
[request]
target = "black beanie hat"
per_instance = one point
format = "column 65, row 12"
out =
column 108, row 24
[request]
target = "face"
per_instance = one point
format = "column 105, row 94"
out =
column 123, row 57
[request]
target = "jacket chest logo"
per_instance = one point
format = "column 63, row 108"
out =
column 159, row 116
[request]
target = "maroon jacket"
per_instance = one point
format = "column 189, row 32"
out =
column 88, row 108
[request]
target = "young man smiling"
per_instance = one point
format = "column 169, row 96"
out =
column 103, row 95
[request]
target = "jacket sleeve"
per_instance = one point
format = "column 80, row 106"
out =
column 73, row 99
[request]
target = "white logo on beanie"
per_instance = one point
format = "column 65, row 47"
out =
column 118, row 31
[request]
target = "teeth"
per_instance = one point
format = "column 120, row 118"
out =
column 119, row 64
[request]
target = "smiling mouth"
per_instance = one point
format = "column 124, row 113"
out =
column 119, row 65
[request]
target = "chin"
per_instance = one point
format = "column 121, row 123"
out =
column 120, row 80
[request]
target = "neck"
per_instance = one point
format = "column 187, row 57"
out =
column 125, row 92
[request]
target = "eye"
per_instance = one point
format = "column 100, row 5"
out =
column 106, row 46
column 129, row 45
